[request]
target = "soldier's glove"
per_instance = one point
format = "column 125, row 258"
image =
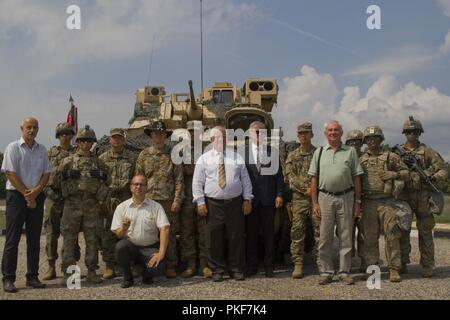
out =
column 71, row 174
column 98, row 174
column 389, row 175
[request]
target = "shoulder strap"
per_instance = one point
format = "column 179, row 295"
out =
column 318, row 164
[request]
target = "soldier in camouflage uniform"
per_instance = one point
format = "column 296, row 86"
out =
column 296, row 176
column 165, row 184
column 381, row 168
column 354, row 138
column 54, row 203
column 121, row 167
column 193, row 226
column 84, row 189
column 417, row 194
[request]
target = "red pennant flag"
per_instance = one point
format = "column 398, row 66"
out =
column 72, row 117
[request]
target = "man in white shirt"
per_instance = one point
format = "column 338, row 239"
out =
column 222, row 189
column 143, row 228
column 27, row 168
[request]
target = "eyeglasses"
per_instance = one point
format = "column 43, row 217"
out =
column 409, row 132
column 139, row 184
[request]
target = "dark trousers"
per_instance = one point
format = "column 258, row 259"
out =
column 261, row 217
column 225, row 225
column 128, row 253
column 17, row 214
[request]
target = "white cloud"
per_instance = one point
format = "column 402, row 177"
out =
column 36, row 48
column 400, row 61
column 445, row 48
column 312, row 96
column 445, row 5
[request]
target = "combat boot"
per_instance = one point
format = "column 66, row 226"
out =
column 171, row 273
column 190, row 270
column 394, row 276
column 92, row 277
column 108, row 273
column 51, row 272
column 207, row 272
column 298, row 272
column 427, row 272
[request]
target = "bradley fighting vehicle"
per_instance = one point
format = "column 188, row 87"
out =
column 221, row 104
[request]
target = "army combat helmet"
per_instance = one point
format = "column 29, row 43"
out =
column 158, row 125
column 62, row 128
column 412, row 124
column 373, row 131
column 354, row 135
column 86, row 133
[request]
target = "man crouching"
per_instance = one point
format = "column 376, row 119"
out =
column 143, row 229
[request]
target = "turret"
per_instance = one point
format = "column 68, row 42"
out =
column 194, row 112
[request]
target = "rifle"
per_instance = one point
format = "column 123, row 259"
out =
column 413, row 164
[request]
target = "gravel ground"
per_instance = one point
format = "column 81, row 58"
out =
column 258, row 287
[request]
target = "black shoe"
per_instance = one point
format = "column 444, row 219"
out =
column 35, row 284
column 147, row 280
column 238, row 276
column 250, row 273
column 217, row 277
column 8, row 286
column 269, row 273
column 126, row 284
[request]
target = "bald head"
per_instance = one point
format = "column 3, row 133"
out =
column 29, row 128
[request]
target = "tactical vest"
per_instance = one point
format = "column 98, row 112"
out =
column 372, row 185
column 55, row 155
column 421, row 155
column 85, row 185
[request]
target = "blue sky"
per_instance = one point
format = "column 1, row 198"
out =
column 328, row 64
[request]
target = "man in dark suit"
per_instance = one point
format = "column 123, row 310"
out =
column 266, row 176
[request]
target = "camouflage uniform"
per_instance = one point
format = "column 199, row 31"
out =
column 417, row 194
column 378, row 212
column 54, row 204
column 165, row 185
column 193, row 226
column 84, row 188
column 296, row 173
column 121, row 167
column 354, row 138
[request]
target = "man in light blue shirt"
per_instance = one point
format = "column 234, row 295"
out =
column 27, row 168
column 222, row 189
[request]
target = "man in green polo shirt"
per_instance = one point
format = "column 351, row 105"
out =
column 336, row 199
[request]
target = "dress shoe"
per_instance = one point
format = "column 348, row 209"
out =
column 8, row 286
column 147, row 280
column 346, row 279
column 126, row 284
column 325, row 279
column 238, row 276
column 269, row 273
column 217, row 277
column 250, row 273
column 35, row 284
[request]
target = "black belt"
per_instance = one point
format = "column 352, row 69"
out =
column 224, row 200
column 340, row 193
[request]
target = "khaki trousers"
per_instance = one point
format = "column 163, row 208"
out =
column 336, row 211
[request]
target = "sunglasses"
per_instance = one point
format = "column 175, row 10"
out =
column 409, row 132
